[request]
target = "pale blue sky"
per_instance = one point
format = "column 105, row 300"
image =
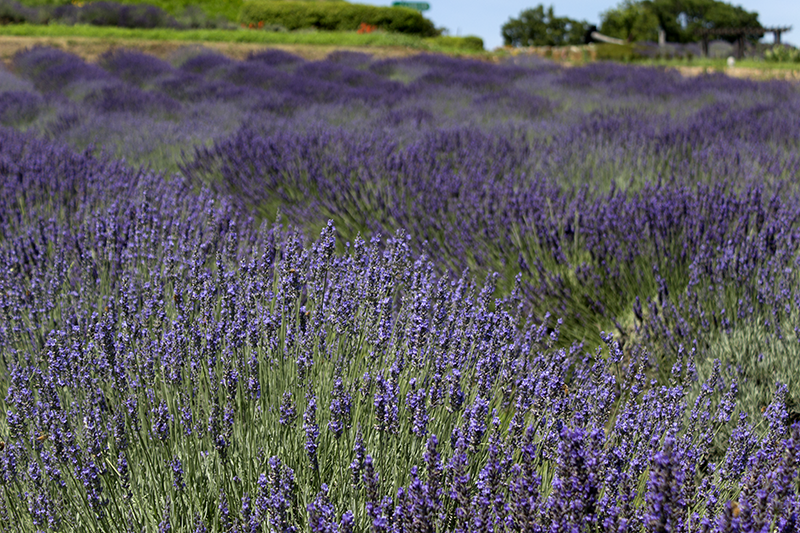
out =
column 485, row 17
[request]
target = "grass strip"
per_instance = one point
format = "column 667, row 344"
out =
column 375, row 39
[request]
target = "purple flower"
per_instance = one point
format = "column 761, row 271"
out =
column 132, row 403
column 199, row 524
column 358, row 463
column 321, row 514
column 347, row 523
column 416, row 405
column 423, row 505
column 488, row 506
column 253, row 383
column 665, row 503
column 90, row 477
column 186, row 420
column 165, row 525
column 783, row 480
column 524, row 498
column 576, row 481
column 276, row 496
column 120, row 284
column 124, row 475
column 340, row 408
column 434, row 471
column 386, row 405
column 458, row 488
column 287, row 410
column 162, row 420
column 120, row 433
column 312, row 431
column 177, row 474
column 52, row 470
column 224, row 510
column 40, row 505
column 455, row 393
column 475, row 421
column 250, row 520
column 371, row 482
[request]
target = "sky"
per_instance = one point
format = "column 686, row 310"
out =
column 485, row 17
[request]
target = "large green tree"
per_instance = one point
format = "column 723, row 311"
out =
column 540, row 27
column 632, row 21
column 637, row 20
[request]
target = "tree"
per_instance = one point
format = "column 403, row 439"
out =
column 632, row 21
column 540, row 27
column 637, row 20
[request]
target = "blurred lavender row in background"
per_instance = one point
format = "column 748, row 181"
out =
column 102, row 13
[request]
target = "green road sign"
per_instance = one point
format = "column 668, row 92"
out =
column 419, row 6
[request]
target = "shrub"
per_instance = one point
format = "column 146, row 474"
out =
column 782, row 54
column 540, row 27
column 14, row 13
column 18, row 107
column 195, row 17
column 170, row 357
column 617, row 52
column 94, row 13
column 470, row 42
column 125, row 16
column 335, row 16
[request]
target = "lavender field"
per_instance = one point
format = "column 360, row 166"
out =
column 406, row 295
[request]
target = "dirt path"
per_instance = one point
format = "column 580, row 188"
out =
column 744, row 72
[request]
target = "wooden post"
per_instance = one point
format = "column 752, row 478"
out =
column 740, row 48
column 777, row 35
column 705, row 45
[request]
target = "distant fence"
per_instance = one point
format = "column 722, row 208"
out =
column 557, row 53
column 741, row 33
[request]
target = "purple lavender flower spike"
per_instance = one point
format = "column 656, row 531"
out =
column 321, row 514
column 287, row 410
column 666, row 507
column 312, row 431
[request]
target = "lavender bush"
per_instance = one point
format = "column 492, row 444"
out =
column 419, row 294
column 98, row 13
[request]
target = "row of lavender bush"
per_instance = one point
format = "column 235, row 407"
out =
column 176, row 359
column 102, row 13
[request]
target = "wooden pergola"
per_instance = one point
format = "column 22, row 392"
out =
column 741, row 34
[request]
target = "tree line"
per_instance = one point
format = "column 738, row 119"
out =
column 631, row 20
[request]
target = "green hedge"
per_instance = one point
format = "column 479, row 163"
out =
column 468, row 43
column 335, row 16
column 782, row 54
column 122, row 37
column 617, row 52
